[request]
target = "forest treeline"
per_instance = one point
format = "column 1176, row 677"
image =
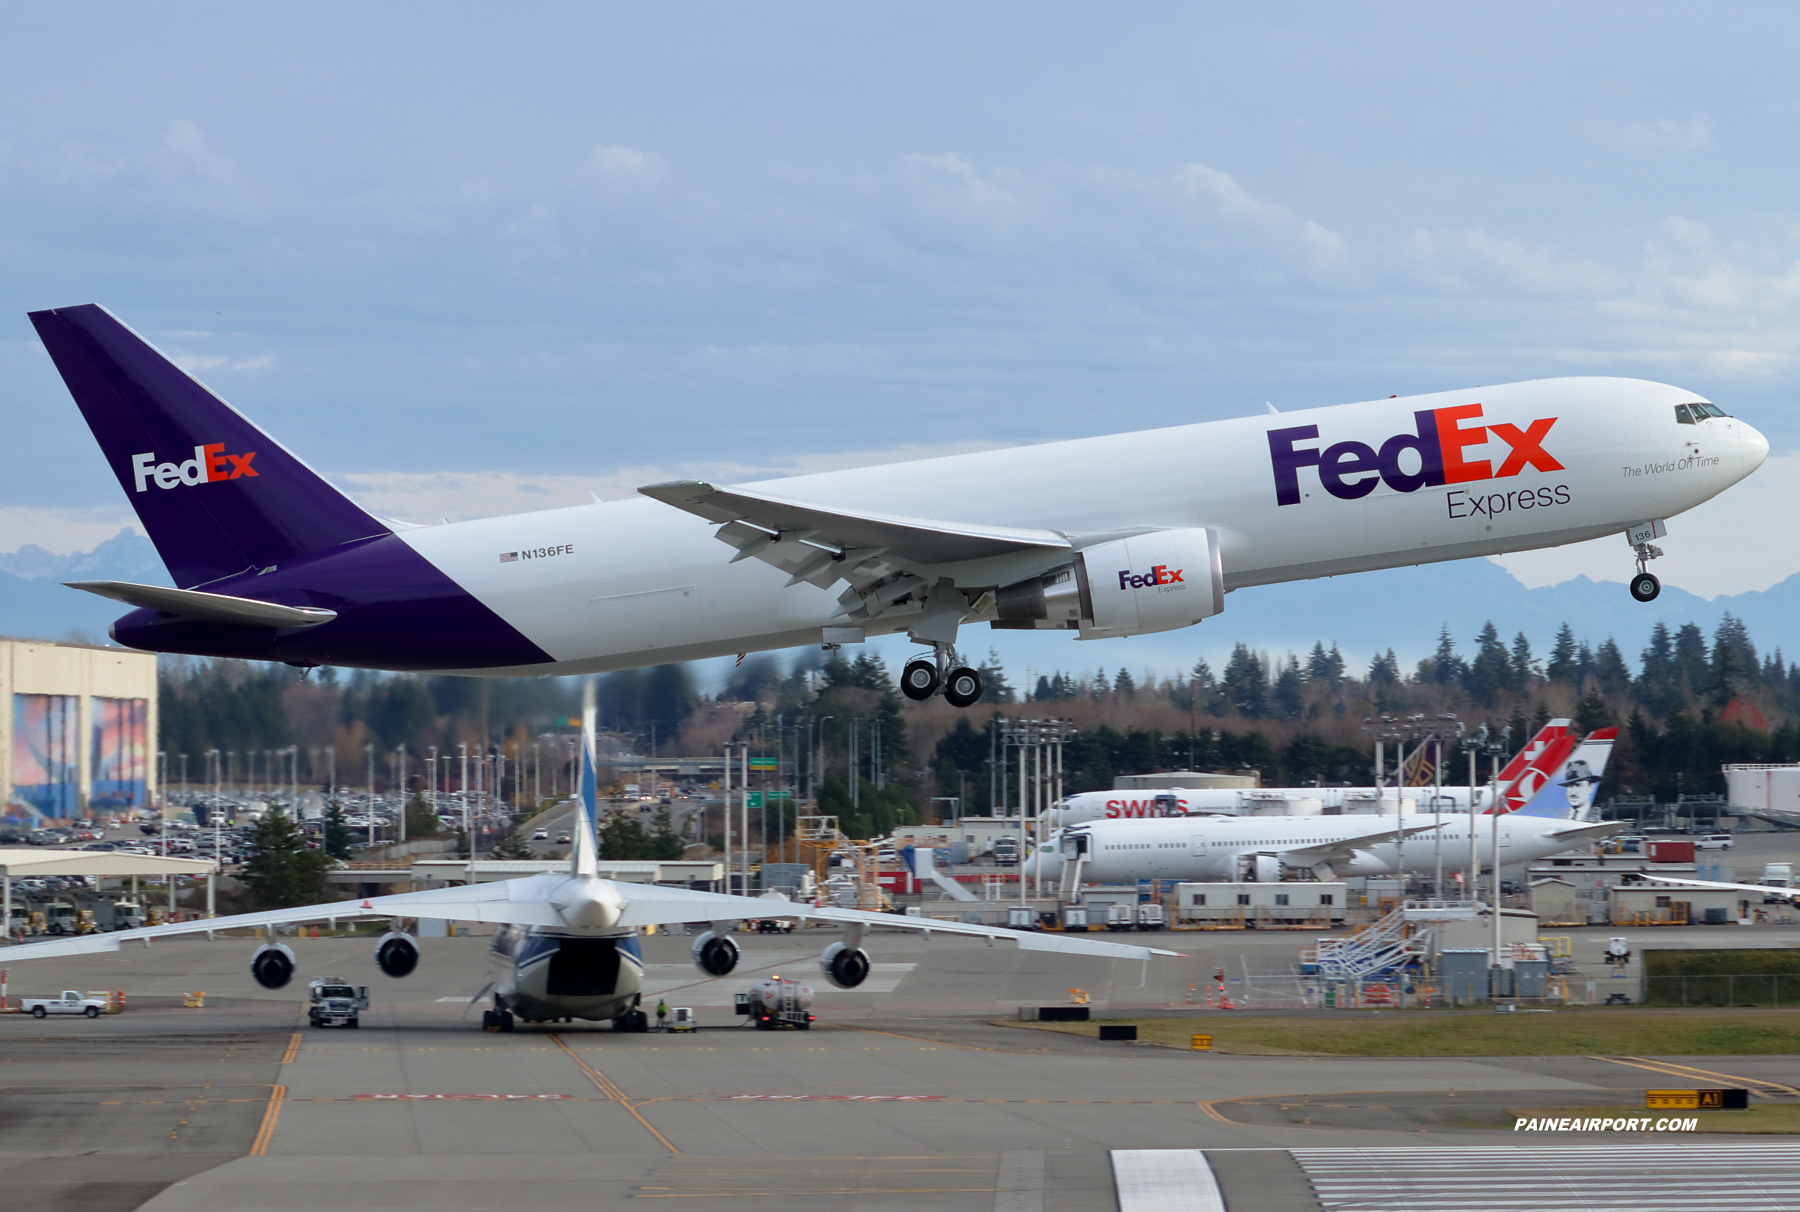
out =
column 1686, row 705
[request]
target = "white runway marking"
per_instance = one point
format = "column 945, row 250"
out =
column 1165, row 1180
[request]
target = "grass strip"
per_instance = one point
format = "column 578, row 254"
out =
column 1575, row 1031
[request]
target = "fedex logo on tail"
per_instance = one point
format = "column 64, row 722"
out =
column 1443, row 442
column 1162, row 574
column 209, row 465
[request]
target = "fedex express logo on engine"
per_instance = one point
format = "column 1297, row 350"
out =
column 1162, row 574
column 1439, row 450
column 209, row 465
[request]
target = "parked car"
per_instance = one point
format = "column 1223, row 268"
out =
column 1713, row 841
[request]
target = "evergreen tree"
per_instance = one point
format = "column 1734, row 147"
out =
column 1384, row 669
column 1290, row 691
column 1610, row 669
column 1734, row 664
column 1101, row 685
column 1124, row 684
column 1491, row 669
column 1446, row 665
column 666, row 845
column 1659, row 683
column 1327, row 667
column 282, row 871
column 994, row 686
column 511, row 847
column 1693, row 671
column 1563, row 665
column 1246, row 687
column 421, row 822
column 337, row 833
column 1522, row 666
column 1592, row 712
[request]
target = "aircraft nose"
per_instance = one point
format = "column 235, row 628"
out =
column 1754, row 446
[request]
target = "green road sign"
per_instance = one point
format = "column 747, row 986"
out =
column 765, row 763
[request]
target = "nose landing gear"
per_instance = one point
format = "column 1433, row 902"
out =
column 1644, row 585
column 925, row 676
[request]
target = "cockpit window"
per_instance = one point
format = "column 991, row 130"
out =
column 1682, row 416
column 1712, row 410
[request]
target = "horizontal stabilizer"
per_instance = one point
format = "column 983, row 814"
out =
column 208, row 607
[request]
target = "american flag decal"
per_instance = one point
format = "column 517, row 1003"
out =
column 509, row 557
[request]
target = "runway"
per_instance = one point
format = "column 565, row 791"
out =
column 906, row 1096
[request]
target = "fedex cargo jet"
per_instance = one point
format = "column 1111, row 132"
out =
column 1101, row 537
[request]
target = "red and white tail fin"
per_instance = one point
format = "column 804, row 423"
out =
column 1534, row 765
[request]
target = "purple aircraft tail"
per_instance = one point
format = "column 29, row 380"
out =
column 217, row 495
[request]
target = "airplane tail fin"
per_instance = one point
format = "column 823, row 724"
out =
column 1569, row 794
column 1534, row 765
column 584, row 856
column 216, row 495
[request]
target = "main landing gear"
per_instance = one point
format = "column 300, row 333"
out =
column 496, row 1020
column 925, row 676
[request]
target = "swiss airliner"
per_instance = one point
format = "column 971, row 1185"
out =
column 1101, row 537
column 1230, row 848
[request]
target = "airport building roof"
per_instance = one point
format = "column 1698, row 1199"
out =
column 19, row 861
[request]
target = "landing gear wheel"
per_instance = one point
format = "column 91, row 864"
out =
column 490, row 1021
column 962, row 688
column 919, row 680
column 1645, row 587
column 506, row 1020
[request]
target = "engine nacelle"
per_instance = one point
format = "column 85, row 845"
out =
column 1159, row 581
column 845, row 967
column 397, row 954
column 272, row 965
column 715, row 954
column 1155, row 582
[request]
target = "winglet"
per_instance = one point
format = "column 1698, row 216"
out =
column 584, row 857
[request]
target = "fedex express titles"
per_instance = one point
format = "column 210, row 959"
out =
column 1438, row 451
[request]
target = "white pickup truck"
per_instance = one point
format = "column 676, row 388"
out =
column 71, row 1002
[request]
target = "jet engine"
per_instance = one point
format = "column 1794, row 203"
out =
column 1159, row 581
column 715, row 954
column 845, row 966
column 397, row 954
column 272, row 965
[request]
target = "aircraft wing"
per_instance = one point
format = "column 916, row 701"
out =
column 1338, row 851
column 1793, row 894
column 1586, row 833
column 653, row 905
column 504, row 902
column 530, row 902
column 821, row 545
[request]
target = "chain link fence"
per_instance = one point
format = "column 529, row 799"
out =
column 1734, row 989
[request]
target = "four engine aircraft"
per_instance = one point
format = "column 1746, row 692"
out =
column 568, row 943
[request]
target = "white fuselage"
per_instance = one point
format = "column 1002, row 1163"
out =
column 637, row 582
column 1268, row 801
column 1213, row 848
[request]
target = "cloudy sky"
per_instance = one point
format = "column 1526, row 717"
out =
column 472, row 259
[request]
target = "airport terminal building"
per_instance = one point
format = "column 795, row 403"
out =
column 77, row 731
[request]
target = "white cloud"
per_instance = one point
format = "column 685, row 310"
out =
column 62, row 530
column 461, row 495
column 615, row 161
column 1666, row 135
